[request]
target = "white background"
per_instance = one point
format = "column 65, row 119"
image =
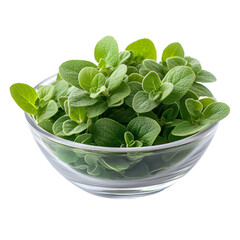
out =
column 36, row 202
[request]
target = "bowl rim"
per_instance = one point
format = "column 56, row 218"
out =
column 202, row 134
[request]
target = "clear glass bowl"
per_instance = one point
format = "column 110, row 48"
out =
column 145, row 170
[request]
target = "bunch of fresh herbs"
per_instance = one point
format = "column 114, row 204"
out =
column 127, row 99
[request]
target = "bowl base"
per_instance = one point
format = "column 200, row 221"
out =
column 123, row 192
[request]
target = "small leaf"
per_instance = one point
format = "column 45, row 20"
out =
column 60, row 88
column 187, row 128
column 182, row 77
column 58, row 125
column 166, row 88
column 70, row 127
column 194, row 107
column 129, row 138
column 183, row 110
column 173, row 49
column 98, row 80
column 144, row 129
column 206, row 101
column 25, row 97
column 107, row 49
column 205, row 76
column 201, row 90
column 116, row 78
column 143, row 49
column 47, row 125
column 151, row 82
column 81, row 98
column 91, row 159
column 120, row 93
column 124, row 56
column 66, row 156
column 77, row 114
column 135, row 77
column 142, row 103
column 175, row 61
column 194, row 64
column 152, row 65
column 139, row 170
column 131, row 69
column 86, row 77
column 108, row 133
column 93, row 170
column 47, row 111
column 61, row 101
column 134, row 87
column 45, row 94
column 115, row 164
column 215, row 112
column 85, row 138
column 69, row 70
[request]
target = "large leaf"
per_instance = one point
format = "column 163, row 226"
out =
column 69, row 70
column 119, row 94
column 86, row 76
column 182, row 77
column 141, row 102
column 81, row 98
column 96, row 109
column 107, row 49
column 187, row 128
column 144, row 129
column 108, row 133
column 116, row 78
column 25, row 97
column 143, row 49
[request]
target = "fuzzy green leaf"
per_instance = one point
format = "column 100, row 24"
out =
column 194, row 64
column 70, row 127
column 144, row 129
column 96, row 109
column 47, row 111
column 205, row 76
column 107, row 49
column 108, row 133
column 86, row 77
column 201, row 90
column 143, row 49
column 135, row 77
column 194, row 107
column 135, row 87
column 58, row 125
column 175, row 61
column 151, row 82
column 45, row 94
column 69, row 70
column 25, row 97
column 141, row 102
column 173, row 49
column 152, row 65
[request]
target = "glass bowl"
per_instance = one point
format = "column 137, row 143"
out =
column 121, row 172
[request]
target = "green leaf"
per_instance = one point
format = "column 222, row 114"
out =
column 124, row 56
column 93, row 170
column 86, row 77
column 182, row 77
column 194, row 107
column 85, row 138
column 175, row 61
column 108, row 133
column 116, row 78
column 166, row 88
column 151, row 82
column 135, row 77
column 66, row 156
column 25, row 97
column 91, row 159
column 139, row 170
column 183, row 110
column 205, row 76
column 144, row 129
column 115, row 164
column 143, row 49
column 134, row 87
column 215, row 112
column 206, row 101
column 96, row 109
column 60, row 89
column 187, row 128
column 47, row 125
column 121, row 115
column 61, row 101
column 120, row 93
column 47, row 111
column 81, row 98
column 58, row 125
column 194, row 64
column 129, row 138
column 107, row 49
column 98, row 80
column 45, row 94
column 131, row 69
column 152, row 65
column 70, row 127
column 141, row 102
column 69, row 70
column 77, row 114
column 173, row 49
column 201, row 90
